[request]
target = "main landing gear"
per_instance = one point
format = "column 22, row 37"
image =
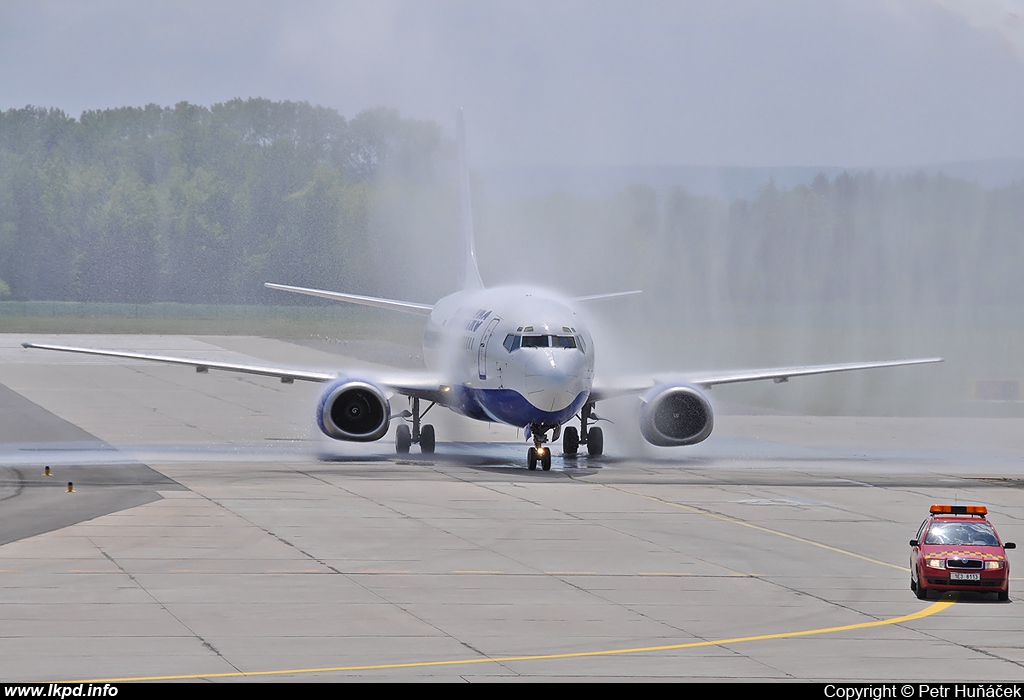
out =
column 423, row 436
column 593, row 438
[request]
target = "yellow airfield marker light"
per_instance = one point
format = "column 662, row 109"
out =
column 46, row 471
column 71, row 487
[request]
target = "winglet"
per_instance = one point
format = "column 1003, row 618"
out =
column 470, row 273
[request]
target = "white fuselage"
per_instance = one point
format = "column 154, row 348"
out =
column 515, row 355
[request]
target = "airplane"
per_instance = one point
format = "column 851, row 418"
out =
column 514, row 355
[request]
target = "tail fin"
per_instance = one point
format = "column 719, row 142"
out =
column 470, row 273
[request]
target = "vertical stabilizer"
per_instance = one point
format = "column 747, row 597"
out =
column 469, row 271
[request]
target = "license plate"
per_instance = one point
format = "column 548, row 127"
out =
column 956, row 576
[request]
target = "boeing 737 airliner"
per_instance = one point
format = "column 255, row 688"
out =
column 512, row 355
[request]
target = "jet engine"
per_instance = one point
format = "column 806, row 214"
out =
column 677, row 415
column 353, row 410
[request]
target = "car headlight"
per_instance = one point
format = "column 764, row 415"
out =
column 993, row 565
column 936, row 563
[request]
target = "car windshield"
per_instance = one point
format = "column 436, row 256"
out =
column 961, row 533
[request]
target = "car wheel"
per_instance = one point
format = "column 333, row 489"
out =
column 1003, row 596
column 921, row 592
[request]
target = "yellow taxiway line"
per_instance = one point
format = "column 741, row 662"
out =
column 930, row 610
column 736, row 521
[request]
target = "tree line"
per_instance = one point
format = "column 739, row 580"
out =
column 194, row 204
column 197, row 204
column 857, row 240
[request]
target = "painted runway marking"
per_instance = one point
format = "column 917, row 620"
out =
column 735, row 521
column 926, row 612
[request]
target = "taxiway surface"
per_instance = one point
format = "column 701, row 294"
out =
column 212, row 534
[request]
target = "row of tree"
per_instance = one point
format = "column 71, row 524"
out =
column 856, row 240
column 192, row 203
column 205, row 204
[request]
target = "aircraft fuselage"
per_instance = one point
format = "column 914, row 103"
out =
column 518, row 355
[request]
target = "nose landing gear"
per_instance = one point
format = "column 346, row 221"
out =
column 540, row 452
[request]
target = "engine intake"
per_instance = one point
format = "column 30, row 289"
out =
column 672, row 416
column 354, row 410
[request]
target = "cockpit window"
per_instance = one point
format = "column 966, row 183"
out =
column 514, row 341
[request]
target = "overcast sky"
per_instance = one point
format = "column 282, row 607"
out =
column 577, row 82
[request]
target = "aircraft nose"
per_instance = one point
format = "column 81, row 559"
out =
column 555, row 377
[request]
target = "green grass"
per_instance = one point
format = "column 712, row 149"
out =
column 283, row 322
column 974, row 352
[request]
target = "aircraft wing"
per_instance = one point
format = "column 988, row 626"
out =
column 414, row 384
column 713, row 378
column 609, row 295
column 409, row 307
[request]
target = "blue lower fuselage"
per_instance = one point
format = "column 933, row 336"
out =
column 510, row 407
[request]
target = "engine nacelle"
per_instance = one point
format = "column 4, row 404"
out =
column 353, row 410
column 677, row 415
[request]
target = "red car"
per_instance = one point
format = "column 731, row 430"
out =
column 957, row 549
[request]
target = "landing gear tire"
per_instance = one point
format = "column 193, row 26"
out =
column 403, row 439
column 595, row 442
column 570, row 441
column 545, row 461
column 531, row 459
column 427, row 439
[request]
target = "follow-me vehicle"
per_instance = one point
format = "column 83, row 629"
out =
column 957, row 549
column 513, row 355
